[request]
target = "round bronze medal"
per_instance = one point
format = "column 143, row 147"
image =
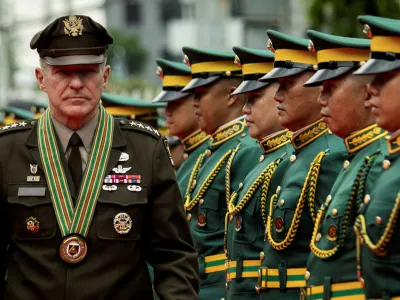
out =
column 238, row 223
column 279, row 224
column 201, row 220
column 73, row 249
column 332, row 233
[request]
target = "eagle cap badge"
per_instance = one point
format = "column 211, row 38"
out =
column 73, row 26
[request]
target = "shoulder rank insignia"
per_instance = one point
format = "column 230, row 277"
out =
column 17, row 126
column 127, row 124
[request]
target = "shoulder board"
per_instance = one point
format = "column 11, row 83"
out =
column 26, row 124
column 140, row 126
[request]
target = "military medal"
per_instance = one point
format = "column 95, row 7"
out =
column 122, row 223
column 279, row 224
column 34, row 169
column 121, row 170
column 238, row 223
column 74, row 220
column 124, row 156
column 201, row 220
column 32, row 224
column 332, row 233
column 73, row 249
column 134, row 188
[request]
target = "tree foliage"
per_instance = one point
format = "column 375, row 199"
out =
column 339, row 17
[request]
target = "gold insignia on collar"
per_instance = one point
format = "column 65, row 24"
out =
column 194, row 140
column 363, row 138
column 393, row 144
column 224, row 134
column 73, row 26
column 276, row 141
column 309, row 134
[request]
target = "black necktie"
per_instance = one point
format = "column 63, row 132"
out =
column 75, row 160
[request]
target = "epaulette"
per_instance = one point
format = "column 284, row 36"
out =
column 26, row 124
column 136, row 125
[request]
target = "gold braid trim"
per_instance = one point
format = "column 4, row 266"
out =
column 312, row 176
column 193, row 176
column 194, row 140
column 228, row 174
column 324, row 254
column 190, row 204
column 380, row 248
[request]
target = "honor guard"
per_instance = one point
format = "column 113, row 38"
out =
column 248, row 208
column 181, row 120
column 313, row 167
column 346, row 109
column 87, row 199
column 131, row 109
column 221, row 168
column 377, row 226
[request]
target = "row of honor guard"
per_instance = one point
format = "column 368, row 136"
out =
column 292, row 193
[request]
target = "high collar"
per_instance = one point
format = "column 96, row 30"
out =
column 227, row 132
column 308, row 134
column 275, row 141
column 194, row 140
column 394, row 143
column 362, row 138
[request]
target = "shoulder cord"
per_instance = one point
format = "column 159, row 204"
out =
column 228, row 174
column 312, row 176
column 193, row 176
column 324, row 254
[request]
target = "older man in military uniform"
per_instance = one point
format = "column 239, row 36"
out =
column 181, row 120
column 346, row 109
column 314, row 165
column 94, row 198
column 377, row 226
column 248, row 205
column 229, row 157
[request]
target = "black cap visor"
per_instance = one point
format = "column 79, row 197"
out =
column 249, row 86
column 277, row 73
column 199, row 82
column 167, row 96
column 326, row 74
column 376, row 66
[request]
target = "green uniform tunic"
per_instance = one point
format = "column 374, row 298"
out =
column 231, row 155
column 378, row 229
column 333, row 256
column 314, row 166
column 194, row 145
column 247, row 211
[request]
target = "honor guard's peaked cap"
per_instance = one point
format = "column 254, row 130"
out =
column 131, row 108
column 72, row 40
column 209, row 65
column 13, row 114
column 255, row 64
column 336, row 55
column 291, row 55
column 175, row 76
column 385, row 44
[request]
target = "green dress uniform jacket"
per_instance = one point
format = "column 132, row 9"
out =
column 229, row 158
column 193, row 145
column 314, row 166
column 332, row 263
column 248, row 215
column 378, row 232
column 115, row 265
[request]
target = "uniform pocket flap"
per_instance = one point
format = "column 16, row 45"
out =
column 28, row 194
column 124, row 197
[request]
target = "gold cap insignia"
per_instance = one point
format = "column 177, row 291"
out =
column 73, row 26
column 367, row 31
column 311, row 47
column 160, row 72
column 270, row 46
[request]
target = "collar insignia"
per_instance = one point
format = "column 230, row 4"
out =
column 73, row 26
column 224, row 134
column 394, row 144
column 309, row 134
column 276, row 141
column 194, row 140
column 363, row 138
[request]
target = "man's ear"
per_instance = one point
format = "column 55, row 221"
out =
column 232, row 98
column 39, row 73
column 106, row 76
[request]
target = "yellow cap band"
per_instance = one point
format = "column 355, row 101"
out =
column 261, row 68
column 342, row 54
column 10, row 120
column 385, row 44
column 298, row 56
column 174, row 80
column 129, row 110
column 214, row 66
